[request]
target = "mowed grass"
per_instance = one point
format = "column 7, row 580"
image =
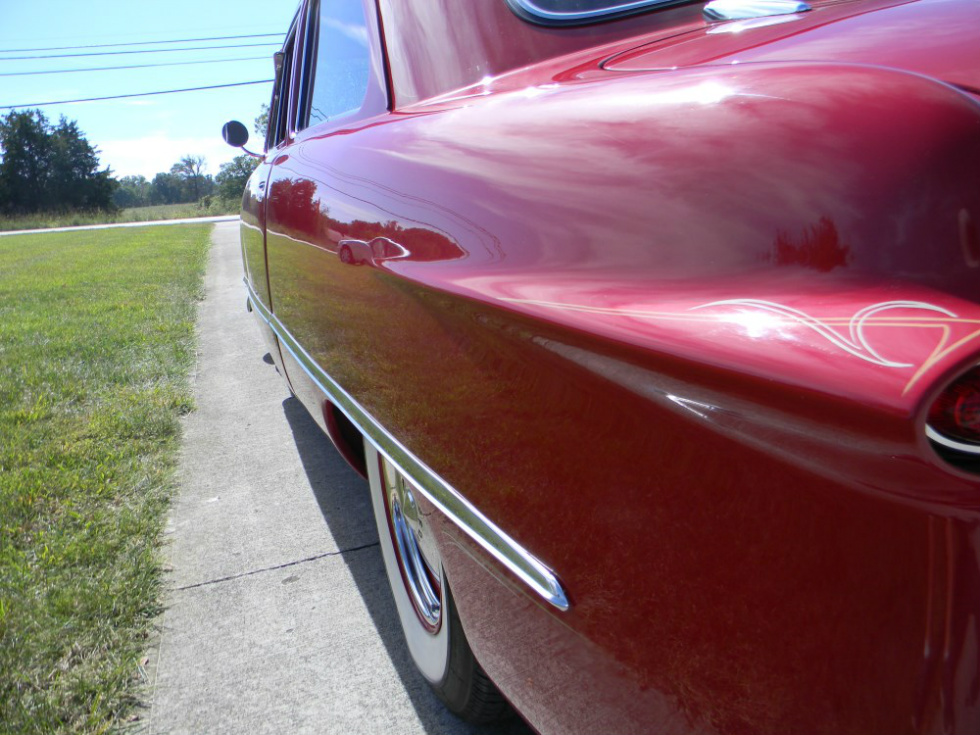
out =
column 96, row 343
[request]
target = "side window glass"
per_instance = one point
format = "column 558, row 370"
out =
column 282, row 103
column 340, row 61
column 279, row 105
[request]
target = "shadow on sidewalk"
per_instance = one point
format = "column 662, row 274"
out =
column 345, row 503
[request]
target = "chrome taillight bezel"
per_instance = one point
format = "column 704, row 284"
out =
column 955, row 449
column 951, row 444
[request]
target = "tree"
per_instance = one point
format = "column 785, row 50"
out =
column 166, row 189
column 49, row 168
column 26, row 161
column 133, row 191
column 190, row 169
column 233, row 176
column 262, row 122
column 76, row 182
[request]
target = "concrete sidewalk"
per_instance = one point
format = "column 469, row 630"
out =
column 279, row 618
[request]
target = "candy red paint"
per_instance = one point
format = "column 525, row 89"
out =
column 669, row 305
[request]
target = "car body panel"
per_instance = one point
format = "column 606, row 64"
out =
column 887, row 33
column 253, row 233
column 674, row 334
column 491, row 42
column 673, row 279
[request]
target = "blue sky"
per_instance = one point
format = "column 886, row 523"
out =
column 143, row 135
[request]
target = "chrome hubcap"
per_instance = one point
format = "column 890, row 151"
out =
column 418, row 556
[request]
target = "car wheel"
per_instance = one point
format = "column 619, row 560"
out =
column 346, row 256
column 424, row 602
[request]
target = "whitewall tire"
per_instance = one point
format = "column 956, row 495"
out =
column 423, row 599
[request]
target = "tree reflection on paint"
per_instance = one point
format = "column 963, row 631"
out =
column 817, row 247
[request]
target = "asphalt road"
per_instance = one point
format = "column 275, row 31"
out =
column 278, row 614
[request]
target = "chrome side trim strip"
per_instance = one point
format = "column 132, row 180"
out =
column 448, row 500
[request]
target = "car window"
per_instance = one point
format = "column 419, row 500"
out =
column 339, row 61
column 279, row 106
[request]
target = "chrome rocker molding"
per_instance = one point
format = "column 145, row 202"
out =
column 453, row 505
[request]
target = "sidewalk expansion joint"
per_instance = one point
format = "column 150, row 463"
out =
column 288, row 564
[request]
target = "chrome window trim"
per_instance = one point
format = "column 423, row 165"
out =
column 724, row 10
column 446, row 498
column 530, row 10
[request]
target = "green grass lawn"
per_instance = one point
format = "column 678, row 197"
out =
column 96, row 343
column 213, row 207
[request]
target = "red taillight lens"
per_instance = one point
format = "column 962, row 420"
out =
column 956, row 413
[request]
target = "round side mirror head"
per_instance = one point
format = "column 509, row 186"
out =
column 235, row 134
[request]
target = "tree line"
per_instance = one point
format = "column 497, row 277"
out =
column 185, row 182
column 47, row 167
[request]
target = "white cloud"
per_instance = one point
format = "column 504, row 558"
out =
column 155, row 153
column 356, row 33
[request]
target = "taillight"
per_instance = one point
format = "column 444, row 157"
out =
column 954, row 419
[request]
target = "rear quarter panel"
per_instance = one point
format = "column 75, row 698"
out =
column 753, row 533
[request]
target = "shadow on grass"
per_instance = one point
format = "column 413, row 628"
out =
column 343, row 498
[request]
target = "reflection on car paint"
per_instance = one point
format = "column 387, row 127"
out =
column 673, row 333
column 772, row 322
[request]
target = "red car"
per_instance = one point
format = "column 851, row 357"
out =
column 666, row 381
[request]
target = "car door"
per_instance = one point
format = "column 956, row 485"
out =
column 332, row 85
column 255, row 199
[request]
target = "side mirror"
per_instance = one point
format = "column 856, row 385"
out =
column 236, row 135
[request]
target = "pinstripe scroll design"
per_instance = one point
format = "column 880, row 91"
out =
column 848, row 334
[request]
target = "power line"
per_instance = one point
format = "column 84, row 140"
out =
column 130, row 66
column 143, row 51
column 138, row 43
column 138, row 94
